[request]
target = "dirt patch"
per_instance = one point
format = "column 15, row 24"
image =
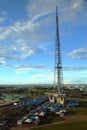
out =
column 72, row 118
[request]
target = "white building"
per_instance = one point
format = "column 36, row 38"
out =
column 85, row 89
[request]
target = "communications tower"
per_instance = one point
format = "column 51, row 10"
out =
column 58, row 96
column 58, row 77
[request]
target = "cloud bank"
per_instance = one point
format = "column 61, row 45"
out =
column 24, row 38
column 79, row 54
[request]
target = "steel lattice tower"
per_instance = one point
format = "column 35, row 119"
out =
column 58, row 77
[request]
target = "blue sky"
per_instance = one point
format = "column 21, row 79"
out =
column 27, row 40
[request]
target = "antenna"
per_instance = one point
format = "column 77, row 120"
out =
column 58, row 77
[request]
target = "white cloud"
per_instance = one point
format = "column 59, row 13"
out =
column 43, row 10
column 31, row 29
column 25, row 30
column 43, row 13
column 2, row 61
column 3, row 16
column 22, row 36
column 38, row 76
column 4, row 33
column 17, row 51
column 43, row 47
column 24, row 68
column 74, row 68
column 80, row 53
column 69, row 9
column 2, row 19
column 39, row 16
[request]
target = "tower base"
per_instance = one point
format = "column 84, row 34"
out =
column 57, row 97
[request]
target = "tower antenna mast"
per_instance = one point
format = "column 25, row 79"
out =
column 58, row 77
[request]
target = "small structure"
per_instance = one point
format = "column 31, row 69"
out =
column 57, row 97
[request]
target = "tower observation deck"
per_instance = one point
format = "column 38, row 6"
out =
column 58, row 76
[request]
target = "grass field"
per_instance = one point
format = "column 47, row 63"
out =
column 79, row 111
column 82, row 125
column 82, row 109
column 75, row 125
